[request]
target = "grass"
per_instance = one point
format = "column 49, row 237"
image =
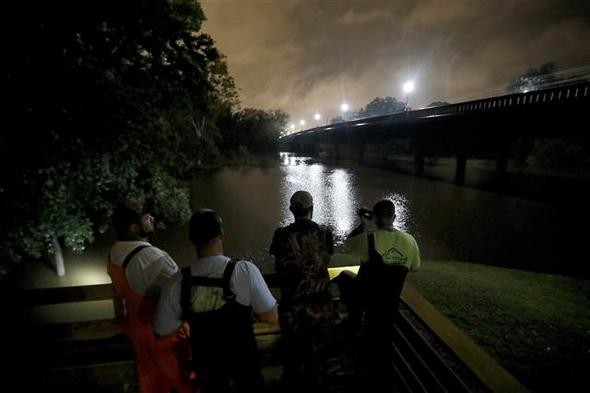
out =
column 536, row 325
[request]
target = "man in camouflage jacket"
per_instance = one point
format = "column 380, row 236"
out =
column 302, row 253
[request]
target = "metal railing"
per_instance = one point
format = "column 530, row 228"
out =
column 418, row 366
column 550, row 96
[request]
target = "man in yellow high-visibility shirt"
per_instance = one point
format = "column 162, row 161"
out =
column 386, row 255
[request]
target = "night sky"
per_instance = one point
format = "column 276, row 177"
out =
column 307, row 56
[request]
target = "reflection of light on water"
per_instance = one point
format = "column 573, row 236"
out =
column 332, row 192
column 401, row 210
column 342, row 198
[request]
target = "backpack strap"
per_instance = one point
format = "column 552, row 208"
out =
column 132, row 254
column 374, row 257
column 228, row 295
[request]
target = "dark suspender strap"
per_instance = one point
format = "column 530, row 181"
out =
column 227, row 273
column 185, row 292
column 132, row 254
column 374, row 257
column 371, row 245
column 207, row 282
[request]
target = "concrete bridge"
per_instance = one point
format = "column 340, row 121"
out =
column 486, row 128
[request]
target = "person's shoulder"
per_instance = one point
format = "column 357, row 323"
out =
column 407, row 236
column 246, row 275
column 245, row 267
column 282, row 231
column 323, row 228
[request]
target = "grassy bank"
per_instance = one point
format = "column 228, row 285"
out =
column 536, row 325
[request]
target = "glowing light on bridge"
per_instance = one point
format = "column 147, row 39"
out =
column 302, row 122
column 317, row 116
column 344, row 107
column 408, row 86
column 292, row 127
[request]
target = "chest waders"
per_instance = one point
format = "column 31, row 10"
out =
column 223, row 344
column 158, row 367
column 381, row 285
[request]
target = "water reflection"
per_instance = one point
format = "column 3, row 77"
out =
column 402, row 213
column 336, row 198
column 342, row 202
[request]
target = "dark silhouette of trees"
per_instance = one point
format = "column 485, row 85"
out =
column 534, row 78
column 104, row 101
column 382, row 106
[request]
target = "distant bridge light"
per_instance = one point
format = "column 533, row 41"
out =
column 292, row 127
column 344, row 107
column 408, row 86
column 317, row 117
column 301, row 122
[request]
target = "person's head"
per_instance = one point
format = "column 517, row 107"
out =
column 384, row 213
column 206, row 232
column 132, row 222
column 301, row 205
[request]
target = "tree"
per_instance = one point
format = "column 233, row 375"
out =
column 104, row 101
column 534, row 78
column 437, row 103
column 382, row 106
column 254, row 130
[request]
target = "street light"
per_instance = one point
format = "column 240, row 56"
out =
column 317, row 117
column 292, row 127
column 344, row 108
column 408, row 87
column 302, row 123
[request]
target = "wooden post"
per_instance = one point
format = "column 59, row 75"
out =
column 419, row 164
column 58, row 258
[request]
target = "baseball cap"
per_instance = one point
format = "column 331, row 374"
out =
column 301, row 200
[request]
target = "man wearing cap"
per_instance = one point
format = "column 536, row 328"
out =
column 216, row 296
column 302, row 253
column 386, row 255
column 138, row 271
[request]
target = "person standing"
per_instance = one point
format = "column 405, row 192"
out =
column 138, row 270
column 216, row 296
column 302, row 253
column 386, row 256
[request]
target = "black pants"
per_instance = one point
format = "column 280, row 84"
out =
column 379, row 307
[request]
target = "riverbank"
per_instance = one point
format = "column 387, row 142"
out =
column 537, row 325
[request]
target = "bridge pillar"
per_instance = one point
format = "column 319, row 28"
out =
column 502, row 165
column 502, row 171
column 460, row 169
column 361, row 152
column 419, row 164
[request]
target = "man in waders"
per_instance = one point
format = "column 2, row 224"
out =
column 216, row 296
column 386, row 256
column 138, row 270
column 302, row 253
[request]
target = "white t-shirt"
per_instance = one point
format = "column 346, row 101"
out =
column 246, row 283
column 148, row 270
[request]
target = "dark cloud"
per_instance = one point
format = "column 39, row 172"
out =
column 302, row 56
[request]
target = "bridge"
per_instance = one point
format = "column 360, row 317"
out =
column 484, row 128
